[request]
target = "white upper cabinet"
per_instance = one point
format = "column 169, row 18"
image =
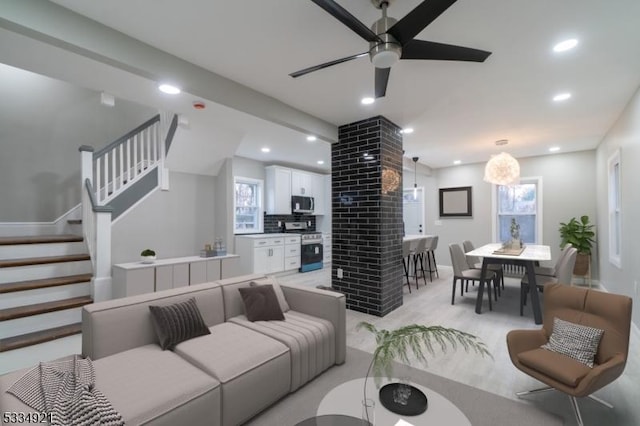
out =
column 278, row 190
column 282, row 183
column 301, row 183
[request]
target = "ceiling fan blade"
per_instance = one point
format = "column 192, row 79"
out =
column 326, row 65
column 415, row 21
column 382, row 78
column 420, row 49
column 347, row 19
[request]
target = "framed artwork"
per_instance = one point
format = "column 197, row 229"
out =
column 455, row 202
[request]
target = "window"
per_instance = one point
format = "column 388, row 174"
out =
column 247, row 216
column 615, row 228
column 520, row 202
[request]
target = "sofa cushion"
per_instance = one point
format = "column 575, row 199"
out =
column 311, row 341
column 261, row 303
column 177, row 322
column 254, row 370
column 282, row 301
column 561, row 367
column 574, row 340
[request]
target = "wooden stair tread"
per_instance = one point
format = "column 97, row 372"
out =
column 8, row 263
column 44, row 283
column 34, row 338
column 43, row 308
column 40, row 239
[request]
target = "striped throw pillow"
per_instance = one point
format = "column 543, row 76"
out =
column 178, row 322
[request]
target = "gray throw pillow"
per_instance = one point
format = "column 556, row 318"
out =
column 177, row 322
column 574, row 340
column 282, row 301
column 261, row 303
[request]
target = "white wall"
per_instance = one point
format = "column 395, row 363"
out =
column 174, row 223
column 625, row 136
column 568, row 181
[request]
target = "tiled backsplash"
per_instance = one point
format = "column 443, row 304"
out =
column 271, row 222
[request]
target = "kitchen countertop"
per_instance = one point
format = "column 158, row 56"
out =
column 171, row 261
column 275, row 235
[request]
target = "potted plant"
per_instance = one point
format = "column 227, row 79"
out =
column 580, row 234
column 420, row 340
column 148, row 256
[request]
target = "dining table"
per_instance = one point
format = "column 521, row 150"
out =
column 527, row 256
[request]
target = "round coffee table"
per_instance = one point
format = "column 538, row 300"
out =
column 347, row 399
column 332, row 420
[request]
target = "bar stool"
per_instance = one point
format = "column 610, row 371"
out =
column 432, row 245
column 406, row 256
column 418, row 255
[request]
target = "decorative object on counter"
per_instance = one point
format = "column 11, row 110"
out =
column 148, row 256
column 391, row 345
column 580, row 235
column 219, row 248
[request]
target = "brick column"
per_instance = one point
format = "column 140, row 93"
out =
column 366, row 171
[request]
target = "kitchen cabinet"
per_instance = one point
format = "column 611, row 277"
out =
column 301, row 183
column 129, row 279
column 277, row 190
column 266, row 253
column 282, row 182
column 291, row 252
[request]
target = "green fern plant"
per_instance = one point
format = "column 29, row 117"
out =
column 418, row 339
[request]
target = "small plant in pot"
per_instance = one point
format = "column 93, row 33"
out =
column 148, row 256
column 580, row 234
column 397, row 345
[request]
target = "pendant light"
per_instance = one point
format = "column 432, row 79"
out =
column 415, row 177
column 502, row 169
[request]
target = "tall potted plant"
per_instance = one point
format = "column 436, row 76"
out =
column 580, row 234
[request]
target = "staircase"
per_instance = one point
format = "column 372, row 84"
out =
column 44, row 282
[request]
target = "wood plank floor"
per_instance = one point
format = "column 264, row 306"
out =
column 431, row 305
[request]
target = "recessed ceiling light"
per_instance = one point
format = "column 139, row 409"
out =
column 265, row 149
column 554, row 149
column 561, row 97
column 169, row 89
column 320, row 162
column 456, row 162
column 407, row 130
column 565, row 45
column 311, row 138
column 367, row 101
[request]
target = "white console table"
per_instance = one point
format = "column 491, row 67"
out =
column 134, row 278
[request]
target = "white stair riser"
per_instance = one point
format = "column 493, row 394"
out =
column 41, row 322
column 35, row 272
column 42, row 295
column 21, row 251
column 31, row 355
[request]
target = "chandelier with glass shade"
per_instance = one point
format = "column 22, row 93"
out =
column 502, row 169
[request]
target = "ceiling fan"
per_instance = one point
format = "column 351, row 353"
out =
column 391, row 40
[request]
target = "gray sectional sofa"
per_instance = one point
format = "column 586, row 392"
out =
column 223, row 378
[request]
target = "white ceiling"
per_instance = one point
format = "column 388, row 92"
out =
column 458, row 109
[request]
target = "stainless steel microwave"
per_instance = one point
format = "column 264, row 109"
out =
column 300, row 204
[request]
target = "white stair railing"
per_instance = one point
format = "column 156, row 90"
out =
column 127, row 160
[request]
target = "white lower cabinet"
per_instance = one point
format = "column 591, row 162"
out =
column 130, row 279
column 268, row 253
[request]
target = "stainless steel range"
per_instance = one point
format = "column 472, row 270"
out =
column 310, row 245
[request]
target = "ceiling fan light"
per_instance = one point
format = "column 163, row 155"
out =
column 502, row 169
column 385, row 58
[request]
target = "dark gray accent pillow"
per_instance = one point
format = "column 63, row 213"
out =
column 282, row 301
column 178, row 322
column 574, row 340
column 261, row 303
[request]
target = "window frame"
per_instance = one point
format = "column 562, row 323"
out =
column 260, row 198
column 537, row 180
column 614, row 202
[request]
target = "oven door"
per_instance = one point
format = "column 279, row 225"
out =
column 310, row 257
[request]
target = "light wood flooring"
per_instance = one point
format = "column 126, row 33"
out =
column 431, row 305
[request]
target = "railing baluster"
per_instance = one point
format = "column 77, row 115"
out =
column 113, row 172
column 147, row 134
column 98, row 180
column 128, row 143
column 121, row 161
column 135, row 156
column 105, row 183
column 155, row 143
